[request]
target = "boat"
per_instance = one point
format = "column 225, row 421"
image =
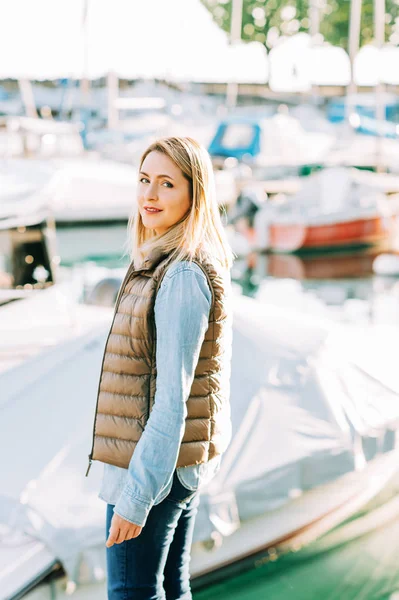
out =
column 351, row 233
column 76, row 189
column 21, row 188
column 34, row 137
column 85, row 192
column 44, row 335
column 42, row 323
column 27, row 264
column 281, row 483
column 387, row 183
column 362, row 105
column 370, row 126
column 276, row 147
column 28, row 258
column 310, row 449
column 332, row 210
column 366, row 152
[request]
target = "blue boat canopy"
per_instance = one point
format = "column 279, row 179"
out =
column 239, row 138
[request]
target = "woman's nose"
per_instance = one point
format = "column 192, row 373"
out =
column 151, row 192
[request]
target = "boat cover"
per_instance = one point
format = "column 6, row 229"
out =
column 311, row 401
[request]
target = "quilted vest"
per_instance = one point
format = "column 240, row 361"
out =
column 127, row 382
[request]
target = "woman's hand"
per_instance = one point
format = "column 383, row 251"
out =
column 121, row 530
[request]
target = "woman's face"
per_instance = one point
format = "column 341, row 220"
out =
column 163, row 186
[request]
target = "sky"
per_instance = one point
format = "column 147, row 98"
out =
column 175, row 40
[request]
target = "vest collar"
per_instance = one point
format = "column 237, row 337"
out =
column 151, row 260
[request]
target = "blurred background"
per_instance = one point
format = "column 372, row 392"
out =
column 298, row 105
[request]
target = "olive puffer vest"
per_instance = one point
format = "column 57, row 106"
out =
column 127, row 384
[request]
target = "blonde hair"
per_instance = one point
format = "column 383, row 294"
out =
column 200, row 232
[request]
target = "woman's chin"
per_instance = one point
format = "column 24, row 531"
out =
column 149, row 223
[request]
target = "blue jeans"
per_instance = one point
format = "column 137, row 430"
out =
column 155, row 565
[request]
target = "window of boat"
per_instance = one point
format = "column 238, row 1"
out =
column 24, row 258
column 237, row 135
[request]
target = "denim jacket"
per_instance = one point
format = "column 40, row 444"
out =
column 181, row 313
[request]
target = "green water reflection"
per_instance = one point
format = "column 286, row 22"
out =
column 345, row 564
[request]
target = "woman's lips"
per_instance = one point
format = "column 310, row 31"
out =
column 153, row 211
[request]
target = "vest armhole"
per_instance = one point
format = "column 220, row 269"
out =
column 163, row 273
column 209, row 282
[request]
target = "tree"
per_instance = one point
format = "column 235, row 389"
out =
column 268, row 20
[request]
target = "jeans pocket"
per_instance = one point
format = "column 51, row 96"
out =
column 179, row 493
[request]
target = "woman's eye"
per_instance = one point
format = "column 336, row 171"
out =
column 168, row 184
column 143, row 180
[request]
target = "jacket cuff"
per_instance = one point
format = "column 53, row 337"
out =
column 132, row 509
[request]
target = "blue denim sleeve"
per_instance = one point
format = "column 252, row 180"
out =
column 182, row 309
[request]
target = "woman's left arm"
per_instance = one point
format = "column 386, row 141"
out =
column 182, row 309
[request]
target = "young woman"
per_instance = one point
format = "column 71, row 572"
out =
column 162, row 418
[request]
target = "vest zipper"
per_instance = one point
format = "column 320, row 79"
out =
column 128, row 273
column 88, row 468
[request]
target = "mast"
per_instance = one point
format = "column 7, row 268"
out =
column 28, row 98
column 84, row 83
column 379, row 36
column 353, row 49
column 235, row 36
column 314, row 17
column 314, row 30
column 113, row 93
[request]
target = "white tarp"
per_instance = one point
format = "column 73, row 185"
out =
column 50, row 356
column 21, row 186
column 308, row 405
